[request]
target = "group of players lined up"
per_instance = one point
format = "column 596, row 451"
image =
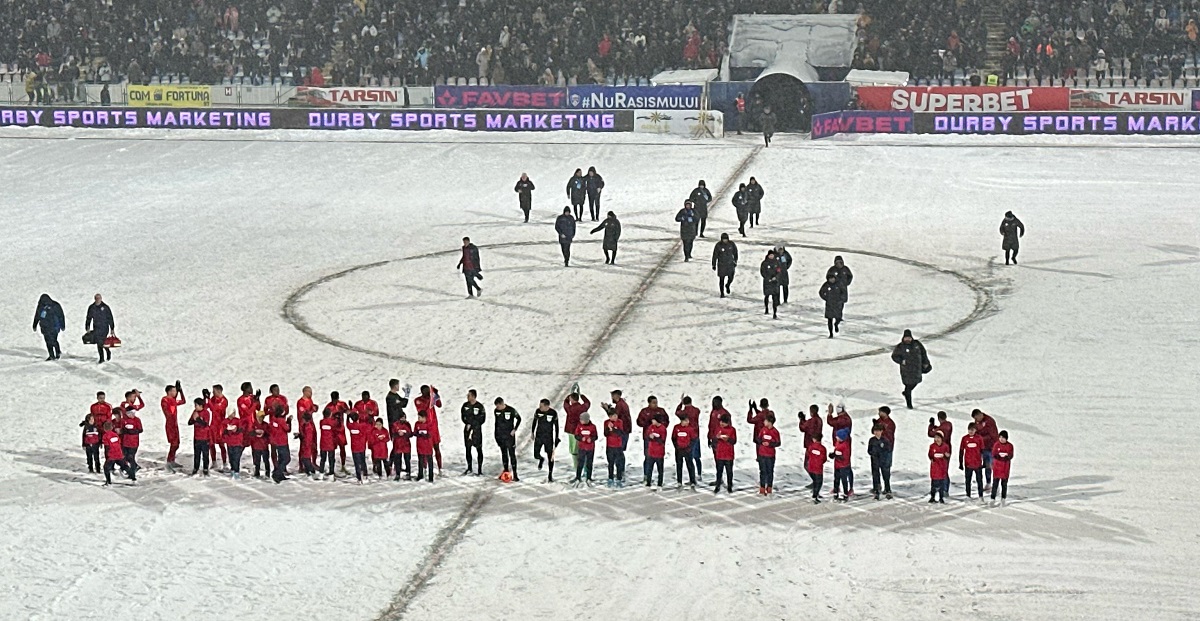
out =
column 266, row 426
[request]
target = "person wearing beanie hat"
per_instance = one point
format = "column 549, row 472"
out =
column 585, row 442
column 595, row 185
column 701, row 198
column 1012, row 230
column 524, row 190
column 741, row 203
column 724, row 262
column 754, row 196
column 564, row 225
column 910, row 354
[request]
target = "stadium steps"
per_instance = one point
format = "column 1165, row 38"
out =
column 997, row 41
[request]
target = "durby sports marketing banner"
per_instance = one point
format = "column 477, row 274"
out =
column 1062, row 123
column 861, row 122
column 1129, row 99
column 298, row 118
column 515, row 97
column 639, row 97
column 963, row 98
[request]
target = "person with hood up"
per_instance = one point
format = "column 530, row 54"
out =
column 577, row 193
column 724, row 261
column 1012, row 230
column 701, row 198
column 770, row 270
column 841, row 273
column 741, row 203
column 49, row 317
column 910, row 354
column 565, row 227
column 689, row 224
column 524, row 190
column 754, row 196
column 612, row 234
column 834, row 295
column 594, row 184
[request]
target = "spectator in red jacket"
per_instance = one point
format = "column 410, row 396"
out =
column 811, row 426
column 574, row 405
column 985, row 426
column 724, row 438
column 281, row 452
column 114, row 456
column 91, row 442
column 216, row 403
column 656, row 449
column 585, row 439
column 614, row 440
column 970, row 458
column 379, row 448
column 259, row 445
column 686, row 438
column 234, row 437
column 815, row 457
column 308, row 440
column 170, row 406
column 359, row 435
column 131, row 434
column 201, row 423
column 692, row 412
column 402, row 447
column 939, row 469
column 328, row 441
column 1002, row 454
column 766, row 440
column 843, row 474
column 942, row 425
column 423, row 430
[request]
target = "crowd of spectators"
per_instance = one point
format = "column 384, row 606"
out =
column 1051, row 40
column 926, row 38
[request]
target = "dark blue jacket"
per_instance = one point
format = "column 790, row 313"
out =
column 577, row 189
column 49, row 316
column 565, row 226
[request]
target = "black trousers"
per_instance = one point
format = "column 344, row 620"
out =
column 1011, row 255
column 401, row 461
column 684, row 457
column 594, row 205
column 655, row 462
column 326, row 458
column 52, row 348
column 200, row 450
column 583, row 464
column 771, row 302
column 508, row 453
column 724, row 282
column 578, row 209
column 425, row 467
column 471, row 276
column 610, row 256
column 818, row 479
column 104, row 352
column 616, row 463
column 687, row 248
column 473, row 439
column 526, row 205
column 93, row 457
column 703, row 224
column 360, row 464
column 766, row 472
column 978, row 473
column 726, row 466
column 262, row 461
column 566, row 251
column 131, row 458
column 1000, row 484
column 881, row 474
column 110, row 465
column 235, row 458
column 908, row 388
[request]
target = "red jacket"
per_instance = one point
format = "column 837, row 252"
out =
column 304, row 405
column 656, row 434
column 614, row 433
column 939, row 461
column 725, row 437
column 368, row 411
column 429, row 405
column 986, row 428
column 756, row 419
column 379, row 443
column 1001, row 459
column 815, row 457
column 401, row 437
column 714, row 421
column 201, row 423
column 970, row 451
column 359, row 433
column 170, row 408
column 683, row 435
column 889, row 429
column 841, row 454
column 273, row 400
column 112, row 446
column 258, row 439
column 811, row 426
column 102, row 413
column 573, row 411
column 836, row 423
column 424, row 433
column 585, row 437
column 623, row 415
column 946, row 428
column 693, row 413
column 308, row 439
column 232, row 432
column 247, row 405
column 91, row 435
column 131, row 430
column 766, row 440
column 648, row 415
column 219, row 406
column 329, row 434
column 280, row 428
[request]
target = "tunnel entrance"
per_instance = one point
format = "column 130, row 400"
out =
column 787, row 97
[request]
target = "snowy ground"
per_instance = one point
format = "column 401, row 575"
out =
column 213, row 248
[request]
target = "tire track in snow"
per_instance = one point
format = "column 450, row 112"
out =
column 449, row 536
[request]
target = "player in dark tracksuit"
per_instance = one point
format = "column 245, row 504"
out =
column 545, row 436
column 741, row 203
column 507, row 422
column 473, row 418
column 565, row 227
column 524, row 190
column 724, row 261
column 612, row 234
column 689, row 224
column 577, row 192
column 701, row 198
column 1012, row 229
column 595, row 185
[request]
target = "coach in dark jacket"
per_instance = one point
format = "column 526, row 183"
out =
column 595, row 185
column 914, row 363
column 565, row 227
column 834, row 295
column 101, row 323
column 1012, row 230
column 49, row 317
column 701, row 198
column 724, row 261
column 612, row 234
column 689, row 226
column 577, row 192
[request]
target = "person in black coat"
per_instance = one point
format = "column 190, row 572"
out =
column 768, row 121
column 914, row 363
column 754, row 196
column 689, row 226
column 741, row 203
column 785, row 262
column 612, row 234
column 470, row 266
column 565, row 227
column 1012, row 229
column 49, row 317
column 100, row 322
column 577, row 192
column 595, row 184
column 724, row 261
column 701, row 198
column 770, row 269
column 524, row 190
column 834, row 295
column 842, row 273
